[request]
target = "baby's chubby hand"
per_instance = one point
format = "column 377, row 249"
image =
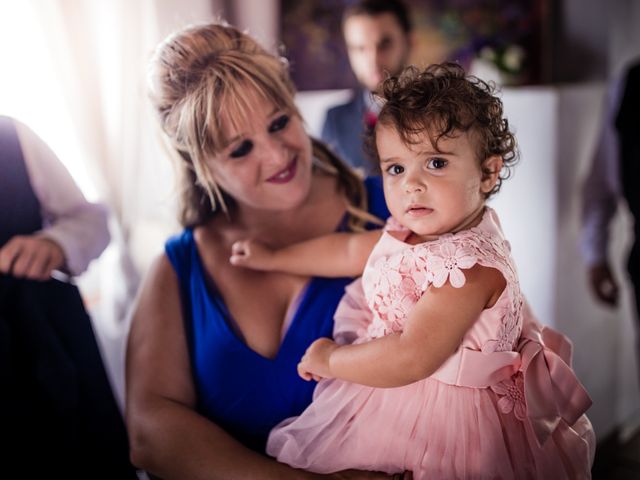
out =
column 314, row 364
column 251, row 254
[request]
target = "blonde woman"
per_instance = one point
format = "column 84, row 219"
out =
column 213, row 349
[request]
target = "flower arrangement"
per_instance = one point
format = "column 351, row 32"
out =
column 504, row 65
column 497, row 38
column 509, row 59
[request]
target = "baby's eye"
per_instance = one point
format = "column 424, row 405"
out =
column 243, row 149
column 437, row 163
column 279, row 123
column 395, row 169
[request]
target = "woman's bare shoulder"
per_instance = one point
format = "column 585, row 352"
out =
column 158, row 298
column 161, row 273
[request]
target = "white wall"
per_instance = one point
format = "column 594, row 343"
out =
column 313, row 106
column 527, row 201
column 260, row 18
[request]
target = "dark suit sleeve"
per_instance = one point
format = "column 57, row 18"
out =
column 328, row 134
column 58, row 414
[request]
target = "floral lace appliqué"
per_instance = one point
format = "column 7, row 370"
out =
column 388, row 273
column 446, row 262
column 395, row 281
column 511, row 392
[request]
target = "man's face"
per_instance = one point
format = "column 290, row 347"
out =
column 377, row 45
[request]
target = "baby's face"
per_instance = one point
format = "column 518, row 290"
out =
column 431, row 192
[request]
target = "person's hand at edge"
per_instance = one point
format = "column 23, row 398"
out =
column 603, row 284
column 31, row 256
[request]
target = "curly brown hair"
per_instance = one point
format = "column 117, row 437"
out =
column 443, row 101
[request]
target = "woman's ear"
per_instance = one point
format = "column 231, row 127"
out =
column 491, row 168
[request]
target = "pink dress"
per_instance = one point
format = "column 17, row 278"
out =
column 506, row 405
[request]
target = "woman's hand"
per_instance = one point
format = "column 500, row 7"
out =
column 314, row 364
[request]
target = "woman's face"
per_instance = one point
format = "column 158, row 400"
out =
column 266, row 164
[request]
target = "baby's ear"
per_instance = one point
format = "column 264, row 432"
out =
column 491, row 168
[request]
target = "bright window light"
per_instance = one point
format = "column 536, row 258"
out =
column 30, row 89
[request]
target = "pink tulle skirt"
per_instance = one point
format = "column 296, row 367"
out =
column 435, row 430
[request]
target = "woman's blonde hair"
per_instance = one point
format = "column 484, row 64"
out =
column 200, row 72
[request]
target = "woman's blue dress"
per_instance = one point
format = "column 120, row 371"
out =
column 237, row 388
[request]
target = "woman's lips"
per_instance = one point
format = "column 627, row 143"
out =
column 286, row 175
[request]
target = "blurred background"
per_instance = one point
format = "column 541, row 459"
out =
column 75, row 72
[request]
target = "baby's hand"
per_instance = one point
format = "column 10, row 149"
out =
column 315, row 362
column 251, row 254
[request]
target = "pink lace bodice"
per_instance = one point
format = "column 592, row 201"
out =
column 397, row 274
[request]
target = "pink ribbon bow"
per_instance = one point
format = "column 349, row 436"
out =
column 552, row 392
column 551, row 388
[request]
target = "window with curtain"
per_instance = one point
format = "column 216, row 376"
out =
column 30, row 87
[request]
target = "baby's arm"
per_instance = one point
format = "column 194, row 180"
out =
column 334, row 255
column 432, row 333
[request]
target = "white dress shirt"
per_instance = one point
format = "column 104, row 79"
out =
column 78, row 226
column 602, row 189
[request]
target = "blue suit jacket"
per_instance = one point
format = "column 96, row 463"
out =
column 344, row 131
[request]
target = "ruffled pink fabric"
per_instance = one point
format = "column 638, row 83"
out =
column 505, row 405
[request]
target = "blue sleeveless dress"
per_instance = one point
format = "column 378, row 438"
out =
column 237, row 388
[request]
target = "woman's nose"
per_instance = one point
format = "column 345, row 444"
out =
column 274, row 152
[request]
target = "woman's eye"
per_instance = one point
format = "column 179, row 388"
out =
column 279, row 123
column 437, row 163
column 243, row 149
column 395, row 169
